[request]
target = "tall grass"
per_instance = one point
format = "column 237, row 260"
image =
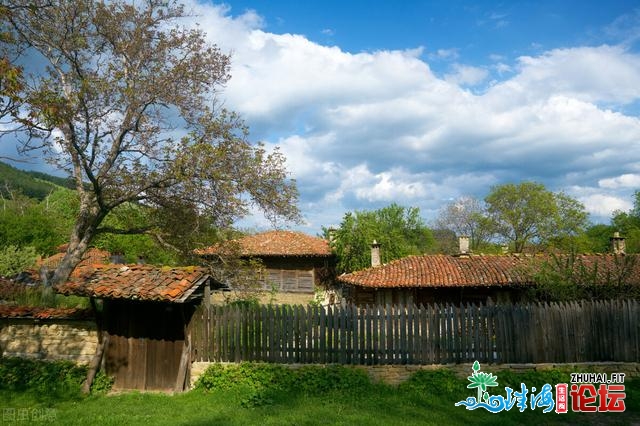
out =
column 38, row 295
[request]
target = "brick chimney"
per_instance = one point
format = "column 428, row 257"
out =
column 375, row 254
column 463, row 242
column 618, row 245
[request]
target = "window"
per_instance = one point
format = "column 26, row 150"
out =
column 290, row 280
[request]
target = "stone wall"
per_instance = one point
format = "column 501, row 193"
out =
column 51, row 339
column 396, row 374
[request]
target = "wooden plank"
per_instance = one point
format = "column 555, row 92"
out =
column 389, row 332
column 324, row 335
column 405, row 335
column 425, row 346
column 377, row 330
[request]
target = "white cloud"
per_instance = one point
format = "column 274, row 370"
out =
column 466, row 75
column 604, row 205
column 591, row 74
column 628, row 180
column 375, row 127
column 445, row 54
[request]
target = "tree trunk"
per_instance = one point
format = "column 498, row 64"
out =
column 81, row 237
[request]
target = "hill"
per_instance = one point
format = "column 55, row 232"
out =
column 32, row 184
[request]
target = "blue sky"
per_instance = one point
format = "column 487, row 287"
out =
column 420, row 103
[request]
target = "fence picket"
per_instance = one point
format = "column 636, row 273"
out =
column 590, row 331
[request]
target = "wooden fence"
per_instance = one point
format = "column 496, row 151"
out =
column 533, row 333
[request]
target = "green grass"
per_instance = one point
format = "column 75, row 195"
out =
column 428, row 399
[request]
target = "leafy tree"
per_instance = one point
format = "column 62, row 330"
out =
column 595, row 239
column 399, row 230
column 467, row 216
column 25, row 222
column 628, row 224
column 529, row 213
column 568, row 277
column 121, row 79
column 11, row 76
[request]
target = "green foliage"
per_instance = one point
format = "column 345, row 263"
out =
column 440, row 381
column 264, row 381
column 61, row 378
column 112, row 130
column 57, row 380
column 628, row 224
column 568, row 277
column 32, row 184
column 316, row 380
column 102, row 383
column 26, row 295
column 25, row 222
column 529, row 213
column 14, row 260
column 400, row 231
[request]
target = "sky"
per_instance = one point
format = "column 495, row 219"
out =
column 423, row 102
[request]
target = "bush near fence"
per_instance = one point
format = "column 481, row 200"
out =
column 586, row 331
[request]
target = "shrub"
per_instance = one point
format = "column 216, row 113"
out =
column 263, row 382
column 58, row 379
column 434, row 381
column 316, row 380
column 14, row 260
column 101, row 383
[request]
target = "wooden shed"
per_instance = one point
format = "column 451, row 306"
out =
column 145, row 320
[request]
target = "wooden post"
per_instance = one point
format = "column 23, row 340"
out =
column 185, row 358
column 95, row 364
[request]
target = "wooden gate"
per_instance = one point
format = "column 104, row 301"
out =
column 146, row 341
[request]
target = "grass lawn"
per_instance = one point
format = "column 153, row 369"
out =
column 427, row 400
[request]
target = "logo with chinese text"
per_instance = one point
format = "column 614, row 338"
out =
column 583, row 396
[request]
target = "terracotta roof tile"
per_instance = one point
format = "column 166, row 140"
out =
column 92, row 256
column 465, row 271
column 139, row 282
column 276, row 243
column 8, row 311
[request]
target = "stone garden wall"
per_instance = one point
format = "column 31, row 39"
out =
column 49, row 339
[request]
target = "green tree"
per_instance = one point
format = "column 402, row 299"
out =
column 399, row 230
column 529, row 213
column 628, row 224
column 124, row 106
column 25, row 222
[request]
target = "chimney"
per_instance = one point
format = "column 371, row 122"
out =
column 375, row 254
column 463, row 241
column 117, row 258
column 331, row 233
column 618, row 245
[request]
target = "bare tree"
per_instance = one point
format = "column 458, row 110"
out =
column 466, row 216
column 122, row 98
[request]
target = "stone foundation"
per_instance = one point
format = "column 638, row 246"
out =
column 51, row 340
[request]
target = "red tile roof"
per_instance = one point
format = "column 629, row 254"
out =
column 276, row 244
column 9, row 311
column 91, row 257
column 136, row 282
column 467, row 271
